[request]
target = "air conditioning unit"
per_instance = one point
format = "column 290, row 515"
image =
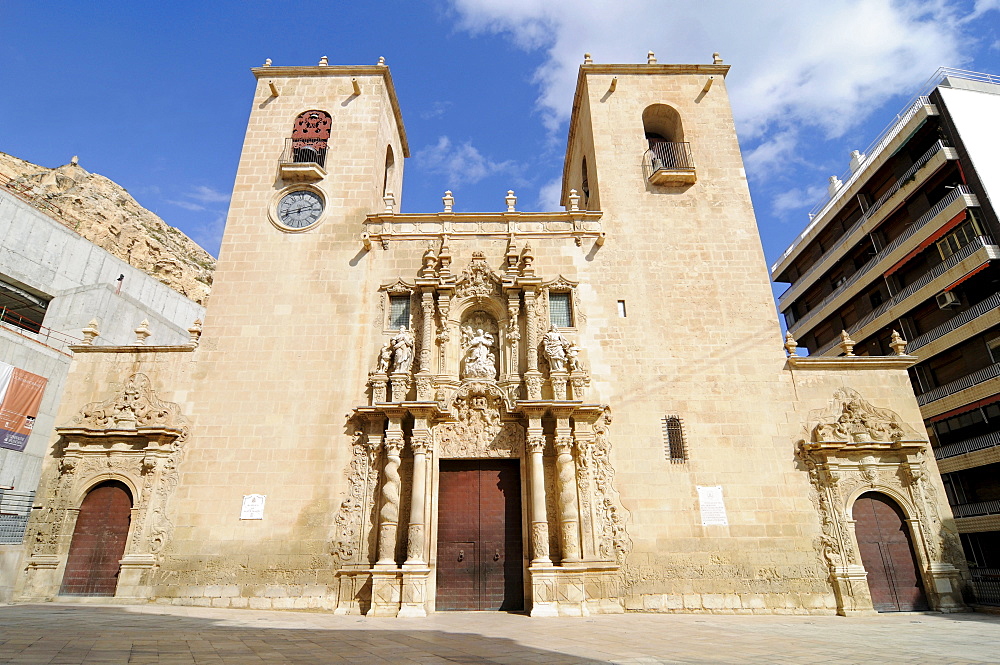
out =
column 947, row 300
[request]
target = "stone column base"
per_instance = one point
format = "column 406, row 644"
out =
column 355, row 592
column 579, row 589
column 42, row 578
column 386, row 592
column 944, row 588
column 133, row 579
column 414, row 599
column 850, row 585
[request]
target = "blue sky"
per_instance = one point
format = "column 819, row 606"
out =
column 156, row 95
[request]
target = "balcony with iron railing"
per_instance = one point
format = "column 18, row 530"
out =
column 986, row 585
column 27, row 328
column 889, row 255
column 669, row 163
column 975, row 509
column 984, row 246
column 958, row 385
column 870, row 219
column 965, row 446
column 303, row 159
column 956, row 322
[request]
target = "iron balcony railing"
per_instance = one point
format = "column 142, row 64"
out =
column 955, row 322
column 868, row 214
column 965, row 252
column 907, row 233
column 960, row 384
column 986, row 585
column 33, row 330
column 15, row 508
column 668, row 156
column 304, row 151
column 983, row 442
column 977, row 508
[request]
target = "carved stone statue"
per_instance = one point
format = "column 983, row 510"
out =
column 384, row 358
column 480, row 361
column 402, row 351
column 573, row 358
column 554, row 344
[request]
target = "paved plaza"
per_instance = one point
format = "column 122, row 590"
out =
column 64, row 634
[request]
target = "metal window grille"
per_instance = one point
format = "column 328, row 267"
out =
column 15, row 508
column 399, row 312
column 673, row 439
column 560, row 312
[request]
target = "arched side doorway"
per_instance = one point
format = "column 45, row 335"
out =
column 98, row 541
column 887, row 554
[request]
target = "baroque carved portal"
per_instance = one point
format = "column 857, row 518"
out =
column 478, row 429
column 852, row 448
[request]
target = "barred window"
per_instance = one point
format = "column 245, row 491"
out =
column 399, row 312
column 673, row 439
column 560, row 310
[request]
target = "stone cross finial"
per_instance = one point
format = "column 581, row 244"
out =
column 650, row 58
column 790, row 344
column 381, row 61
column 324, row 62
column 267, row 62
column 716, row 58
column 847, row 344
column 898, row 344
column 587, row 60
column 90, row 332
column 390, row 203
column 574, row 201
column 141, row 333
column 195, row 332
column 449, row 201
column 511, row 201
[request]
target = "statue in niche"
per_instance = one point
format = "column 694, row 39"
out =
column 402, row 351
column 555, row 346
column 384, row 358
column 480, row 361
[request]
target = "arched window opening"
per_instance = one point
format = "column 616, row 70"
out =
column 98, row 541
column 310, row 137
column 390, row 170
column 668, row 158
column 585, row 184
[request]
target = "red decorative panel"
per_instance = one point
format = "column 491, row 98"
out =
column 98, row 542
column 887, row 554
column 479, row 553
column 312, row 128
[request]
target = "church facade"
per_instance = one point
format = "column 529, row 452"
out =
column 566, row 413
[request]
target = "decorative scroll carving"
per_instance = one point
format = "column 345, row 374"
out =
column 478, row 281
column 613, row 540
column 852, row 419
column 135, row 406
column 350, row 517
column 478, row 430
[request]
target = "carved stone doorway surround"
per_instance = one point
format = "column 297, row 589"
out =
column 576, row 539
column 856, row 448
column 132, row 437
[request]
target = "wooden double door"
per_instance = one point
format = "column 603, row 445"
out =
column 479, row 545
column 887, row 554
column 98, row 542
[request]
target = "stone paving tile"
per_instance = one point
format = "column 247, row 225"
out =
column 70, row 634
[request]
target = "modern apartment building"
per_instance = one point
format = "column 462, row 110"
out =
column 908, row 241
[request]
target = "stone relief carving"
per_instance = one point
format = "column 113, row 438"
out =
column 135, row 406
column 350, row 517
column 478, row 345
column 554, row 346
column 478, row 430
column 478, row 281
column 402, row 351
column 852, row 419
column 613, row 540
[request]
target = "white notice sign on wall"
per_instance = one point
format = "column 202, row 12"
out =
column 713, row 509
column 253, row 507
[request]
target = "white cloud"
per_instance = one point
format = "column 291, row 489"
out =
column 208, row 195
column 435, row 110
column 460, row 163
column 796, row 199
column 795, row 63
column 548, row 195
column 187, row 205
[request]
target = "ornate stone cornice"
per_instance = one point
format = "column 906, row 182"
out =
column 134, row 410
column 852, row 362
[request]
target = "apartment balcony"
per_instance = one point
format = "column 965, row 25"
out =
column 975, row 509
column 964, row 390
column 976, row 319
column 303, row 160
column 912, row 180
column 947, row 208
column 881, row 149
column 986, row 585
column 667, row 163
column 973, row 255
column 968, row 453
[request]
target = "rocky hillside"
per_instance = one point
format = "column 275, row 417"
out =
column 104, row 213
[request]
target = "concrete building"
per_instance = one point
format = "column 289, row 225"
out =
column 907, row 242
column 53, row 282
column 393, row 414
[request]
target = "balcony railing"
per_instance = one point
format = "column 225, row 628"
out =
column 960, row 384
column 965, row 252
column 667, row 163
column 907, row 233
column 868, row 214
column 955, row 322
column 304, row 151
column 986, row 585
column 53, row 339
column 976, row 509
column 15, row 508
column 957, row 448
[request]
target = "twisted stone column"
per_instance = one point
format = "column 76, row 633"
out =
column 389, row 514
column 425, row 389
column 532, row 377
column 569, row 515
column 418, row 501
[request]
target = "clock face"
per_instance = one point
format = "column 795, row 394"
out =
column 300, row 209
